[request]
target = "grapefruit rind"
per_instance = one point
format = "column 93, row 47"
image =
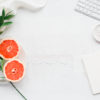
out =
column 1, row 41
column 5, row 74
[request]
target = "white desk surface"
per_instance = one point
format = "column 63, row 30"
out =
column 54, row 40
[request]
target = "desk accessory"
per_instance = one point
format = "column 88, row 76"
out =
column 89, row 8
column 92, row 66
column 96, row 33
column 17, row 4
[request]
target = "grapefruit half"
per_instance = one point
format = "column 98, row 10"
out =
column 14, row 70
column 9, row 48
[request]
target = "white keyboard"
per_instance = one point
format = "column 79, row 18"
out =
column 90, row 8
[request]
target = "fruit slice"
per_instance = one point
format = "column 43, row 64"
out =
column 9, row 48
column 14, row 70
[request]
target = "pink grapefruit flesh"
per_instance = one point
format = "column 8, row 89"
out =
column 14, row 70
column 9, row 48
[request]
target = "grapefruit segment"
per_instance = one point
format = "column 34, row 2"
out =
column 14, row 70
column 9, row 48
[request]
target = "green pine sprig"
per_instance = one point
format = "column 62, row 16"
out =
column 4, row 19
column 1, row 64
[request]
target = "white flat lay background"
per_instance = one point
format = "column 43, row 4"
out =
column 54, row 40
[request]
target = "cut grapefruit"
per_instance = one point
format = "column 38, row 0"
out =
column 14, row 70
column 9, row 48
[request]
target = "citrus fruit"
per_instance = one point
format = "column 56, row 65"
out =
column 13, row 70
column 9, row 48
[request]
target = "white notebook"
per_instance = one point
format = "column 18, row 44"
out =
column 92, row 67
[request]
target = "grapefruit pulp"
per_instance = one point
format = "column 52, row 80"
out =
column 9, row 48
column 14, row 70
